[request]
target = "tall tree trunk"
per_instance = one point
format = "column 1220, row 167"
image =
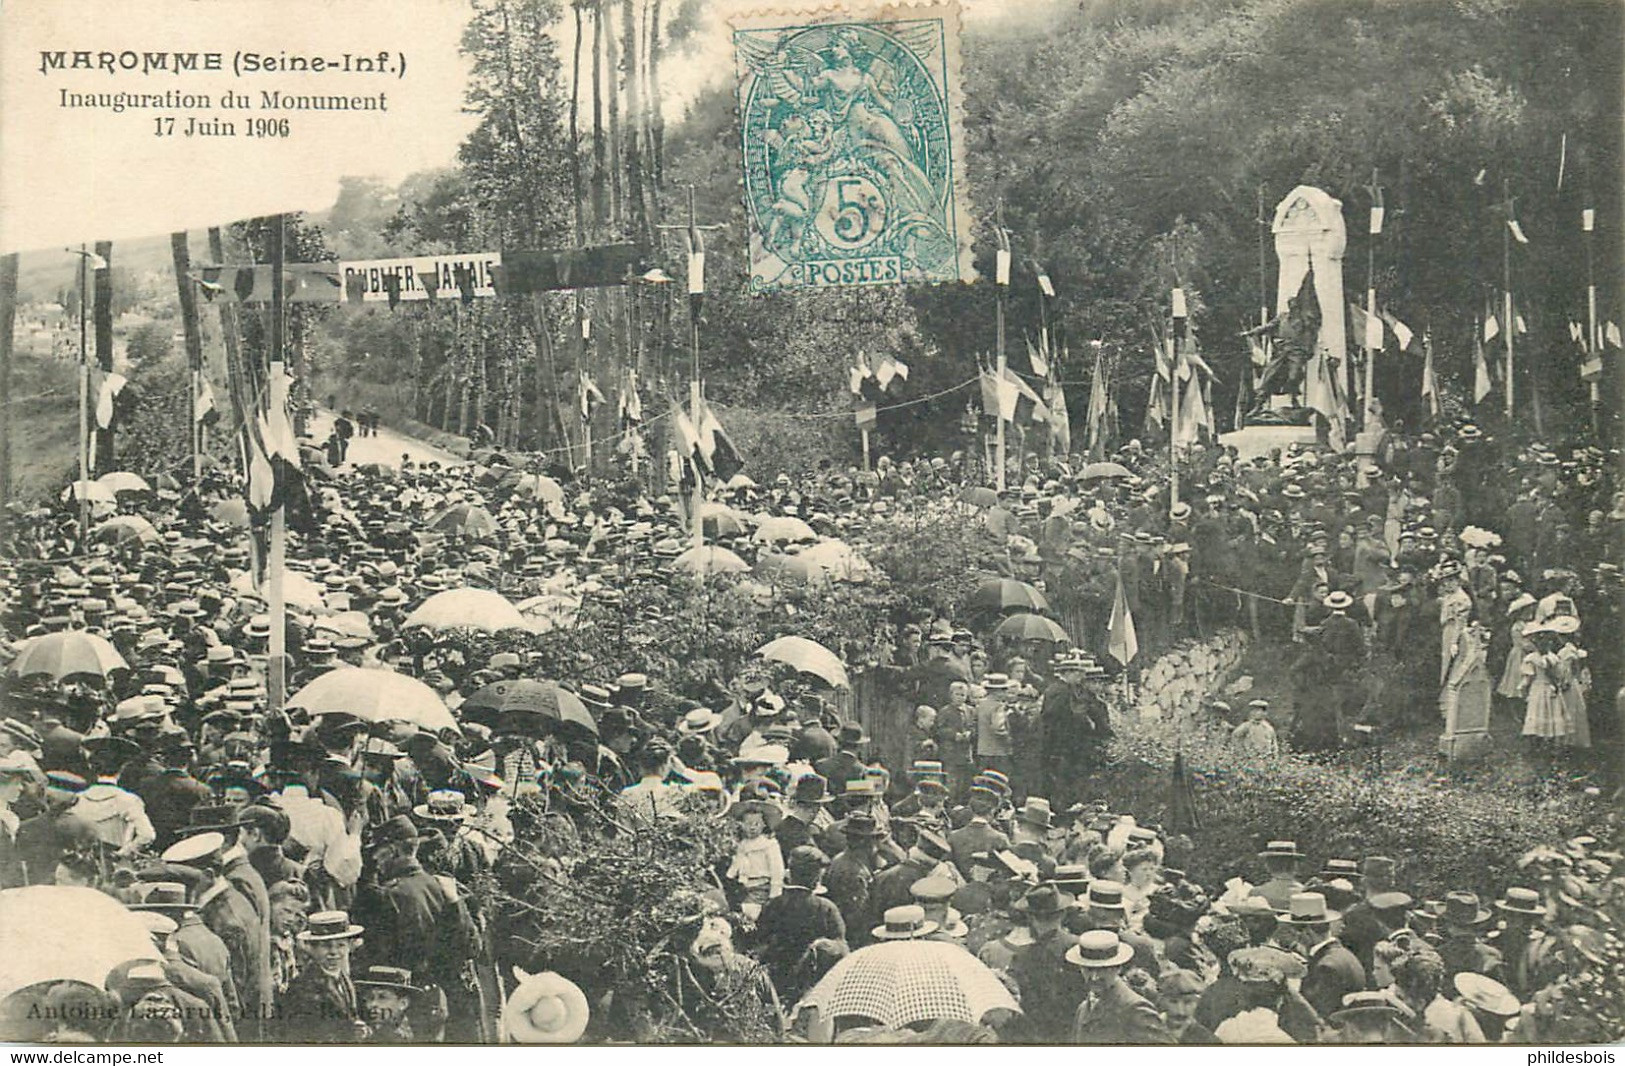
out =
column 8, row 321
column 657, row 120
column 182, row 255
column 102, row 317
column 600, row 177
column 576, row 191
column 612, row 61
column 637, row 218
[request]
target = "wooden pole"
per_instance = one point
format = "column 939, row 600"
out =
column 8, row 321
column 1366, row 411
column 182, row 256
column 1000, row 288
column 84, row 401
column 1508, row 328
column 277, row 389
column 1588, row 220
column 865, row 434
column 696, row 247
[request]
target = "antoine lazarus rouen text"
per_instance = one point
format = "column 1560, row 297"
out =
column 212, row 112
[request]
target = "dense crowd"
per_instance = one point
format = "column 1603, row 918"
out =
column 310, row 874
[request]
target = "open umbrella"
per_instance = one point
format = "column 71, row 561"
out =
column 1003, row 594
column 124, row 481
column 720, row 520
column 124, row 528
column 465, row 518
column 740, row 481
column 544, row 698
column 840, row 560
column 232, row 512
column 345, row 624
column 374, row 695
column 66, row 933
column 1096, row 471
column 1031, row 627
column 783, row 528
column 298, row 590
column 66, row 654
column 708, row 560
column 94, row 491
column 539, row 487
column 980, row 495
column 808, row 656
column 905, row 982
column 793, row 569
column 466, row 608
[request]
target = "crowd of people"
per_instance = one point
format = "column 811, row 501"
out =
column 309, row 874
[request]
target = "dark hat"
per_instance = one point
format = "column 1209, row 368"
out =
column 1045, row 900
column 387, row 977
column 397, row 830
column 1462, row 908
column 862, row 826
column 810, row 788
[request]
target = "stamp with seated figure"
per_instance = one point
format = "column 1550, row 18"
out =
column 852, row 134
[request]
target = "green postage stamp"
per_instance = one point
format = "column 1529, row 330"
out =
column 852, row 132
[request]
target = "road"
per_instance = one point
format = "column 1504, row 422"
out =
column 386, row 448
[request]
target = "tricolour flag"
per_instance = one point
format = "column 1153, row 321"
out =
column 1121, row 643
column 1097, row 406
column 1481, row 370
column 1036, row 358
column 716, row 447
column 1492, row 329
column 1430, row 384
column 888, row 370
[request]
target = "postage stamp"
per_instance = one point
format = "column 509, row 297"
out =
column 852, row 132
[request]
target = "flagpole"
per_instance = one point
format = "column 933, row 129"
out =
column 1001, row 282
column 1366, row 411
column 1588, row 220
column 84, row 403
column 276, row 389
column 1178, row 319
column 696, row 248
column 1508, row 326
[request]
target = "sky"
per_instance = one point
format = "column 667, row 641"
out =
column 73, row 174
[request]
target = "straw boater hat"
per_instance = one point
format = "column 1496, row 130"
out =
column 1308, row 908
column 329, row 925
column 544, row 1009
column 1518, row 900
column 905, row 923
column 1099, row 948
column 699, row 721
column 444, row 805
column 387, row 977
column 1487, row 995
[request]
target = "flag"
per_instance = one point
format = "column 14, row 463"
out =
column 1481, row 370
column 590, row 396
column 1492, row 329
column 1430, row 384
column 1519, row 323
column 717, row 448
column 630, row 404
column 1193, row 414
column 107, row 387
column 1577, row 334
column 1037, row 411
column 1517, row 231
column 888, row 370
column 990, row 393
column 1121, row 643
column 207, row 412
column 1402, row 332
column 1097, row 406
column 1036, row 358
column 1373, row 329
column 1060, row 419
column 1612, row 333
column 858, row 374
column 1045, row 286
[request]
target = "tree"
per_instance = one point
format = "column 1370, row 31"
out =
column 150, row 344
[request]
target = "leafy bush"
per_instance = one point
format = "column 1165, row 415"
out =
column 779, row 442
column 1444, row 836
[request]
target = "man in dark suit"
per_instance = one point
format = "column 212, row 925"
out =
column 1111, row 1011
column 228, row 913
column 847, row 763
column 978, row 836
column 793, row 921
column 1050, row 986
column 320, row 1005
column 1334, row 972
column 852, row 873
